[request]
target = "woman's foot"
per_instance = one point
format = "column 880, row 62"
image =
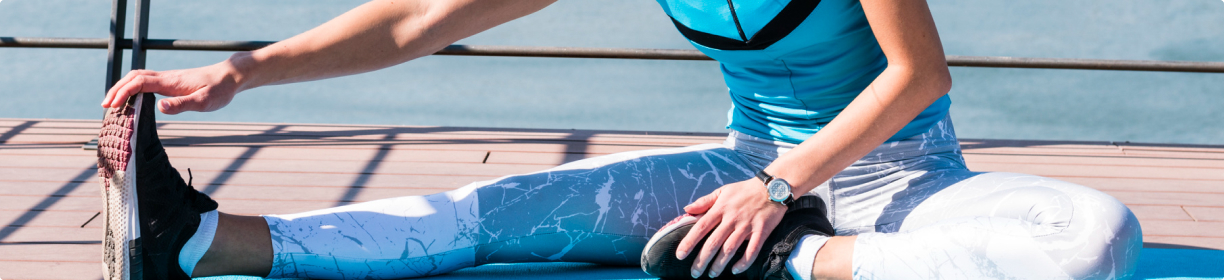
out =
column 806, row 216
column 150, row 211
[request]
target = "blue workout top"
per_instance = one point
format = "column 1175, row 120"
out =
column 790, row 66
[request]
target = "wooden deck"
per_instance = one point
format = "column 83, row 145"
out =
column 49, row 189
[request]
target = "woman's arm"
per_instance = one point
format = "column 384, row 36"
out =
column 375, row 35
column 916, row 76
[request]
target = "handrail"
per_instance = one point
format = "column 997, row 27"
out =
column 624, row 53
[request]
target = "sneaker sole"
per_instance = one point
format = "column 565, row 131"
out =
column 667, row 229
column 121, row 258
column 660, row 261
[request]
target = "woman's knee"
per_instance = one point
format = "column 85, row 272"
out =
column 1103, row 239
column 1089, row 233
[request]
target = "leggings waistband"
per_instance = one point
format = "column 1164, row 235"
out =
column 940, row 139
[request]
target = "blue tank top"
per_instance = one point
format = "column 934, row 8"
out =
column 790, row 66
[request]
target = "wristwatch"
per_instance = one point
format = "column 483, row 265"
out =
column 779, row 189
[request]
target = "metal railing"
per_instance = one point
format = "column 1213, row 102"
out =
column 621, row 53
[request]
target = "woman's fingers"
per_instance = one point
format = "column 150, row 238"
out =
column 175, row 105
column 134, row 81
column 759, row 232
column 728, row 250
column 702, row 204
column 699, row 230
column 710, row 247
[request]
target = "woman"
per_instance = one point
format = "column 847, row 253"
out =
column 841, row 99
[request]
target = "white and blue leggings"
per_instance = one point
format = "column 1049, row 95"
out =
column 917, row 211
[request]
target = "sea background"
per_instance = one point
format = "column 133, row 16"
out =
column 608, row 94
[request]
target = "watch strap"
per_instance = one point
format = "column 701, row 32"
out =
column 764, row 177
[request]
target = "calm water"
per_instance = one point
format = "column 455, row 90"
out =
column 656, row 95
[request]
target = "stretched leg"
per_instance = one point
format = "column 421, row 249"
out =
column 600, row 210
column 242, row 246
column 969, row 225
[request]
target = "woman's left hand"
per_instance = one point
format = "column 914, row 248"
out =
column 735, row 212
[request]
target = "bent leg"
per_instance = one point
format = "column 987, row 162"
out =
column 1001, row 225
column 600, row 210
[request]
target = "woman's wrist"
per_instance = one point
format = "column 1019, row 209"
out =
column 800, row 174
column 241, row 69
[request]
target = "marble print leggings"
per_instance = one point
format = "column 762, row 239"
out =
column 917, row 211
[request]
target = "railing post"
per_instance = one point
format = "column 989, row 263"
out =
column 141, row 34
column 114, row 49
column 114, row 54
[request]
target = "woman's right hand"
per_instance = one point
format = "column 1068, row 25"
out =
column 201, row 89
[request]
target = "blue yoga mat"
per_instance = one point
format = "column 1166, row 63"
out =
column 1153, row 264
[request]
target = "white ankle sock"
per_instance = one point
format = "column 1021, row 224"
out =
column 194, row 250
column 800, row 262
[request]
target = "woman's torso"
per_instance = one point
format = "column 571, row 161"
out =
column 803, row 62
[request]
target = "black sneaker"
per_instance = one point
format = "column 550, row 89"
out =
column 805, row 216
column 150, row 211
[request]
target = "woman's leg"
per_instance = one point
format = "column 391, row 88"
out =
column 600, row 210
column 967, row 225
column 911, row 210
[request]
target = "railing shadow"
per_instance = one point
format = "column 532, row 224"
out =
column 48, row 201
column 366, row 173
column 237, row 164
column 15, row 130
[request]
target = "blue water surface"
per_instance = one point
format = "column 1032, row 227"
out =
column 656, row 95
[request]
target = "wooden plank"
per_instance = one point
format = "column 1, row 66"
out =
column 45, row 188
column 1168, row 198
column 41, row 203
column 1206, row 214
column 441, row 145
column 278, row 153
column 326, row 194
column 1175, row 154
column 543, row 159
column 29, row 270
column 1182, row 228
column 1145, row 185
column 20, row 139
column 73, row 211
column 259, row 207
column 1187, row 242
column 90, row 186
column 203, row 178
column 15, row 218
column 1099, row 161
column 86, row 253
column 1159, row 212
column 5, row 122
column 36, row 163
column 53, row 234
column 1144, row 172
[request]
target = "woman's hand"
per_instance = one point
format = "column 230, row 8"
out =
column 201, row 89
column 736, row 212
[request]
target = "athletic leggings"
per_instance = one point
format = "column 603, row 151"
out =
column 917, row 211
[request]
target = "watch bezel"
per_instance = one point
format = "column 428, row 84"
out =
column 779, row 187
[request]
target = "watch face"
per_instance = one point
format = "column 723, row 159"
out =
column 779, row 190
